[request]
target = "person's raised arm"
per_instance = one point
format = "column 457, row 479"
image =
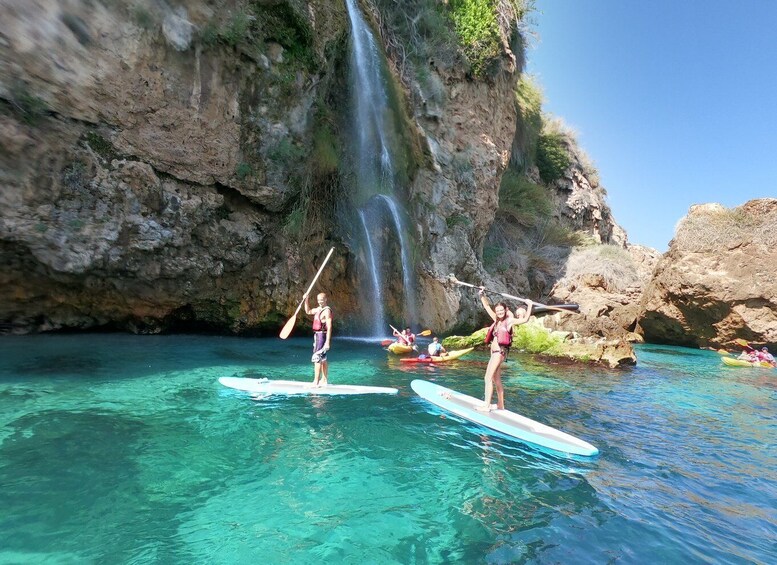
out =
column 522, row 319
column 486, row 304
column 308, row 311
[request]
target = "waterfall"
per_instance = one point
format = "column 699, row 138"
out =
column 374, row 131
column 379, row 316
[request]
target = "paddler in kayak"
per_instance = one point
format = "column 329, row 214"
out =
column 322, row 334
column 405, row 337
column 500, row 338
column 435, row 348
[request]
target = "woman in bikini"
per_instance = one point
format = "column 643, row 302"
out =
column 500, row 338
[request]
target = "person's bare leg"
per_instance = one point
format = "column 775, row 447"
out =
column 493, row 366
column 500, row 390
column 316, row 373
column 324, row 372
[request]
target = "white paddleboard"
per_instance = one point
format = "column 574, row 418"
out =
column 266, row 386
column 503, row 421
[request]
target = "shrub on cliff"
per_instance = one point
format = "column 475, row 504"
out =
column 611, row 263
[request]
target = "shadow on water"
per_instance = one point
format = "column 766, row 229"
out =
column 59, row 364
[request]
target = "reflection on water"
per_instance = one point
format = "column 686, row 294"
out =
column 126, row 449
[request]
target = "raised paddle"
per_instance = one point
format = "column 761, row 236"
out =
column 510, row 296
column 425, row 333
column 286, row 331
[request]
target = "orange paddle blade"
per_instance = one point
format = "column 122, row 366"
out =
column 426, row 333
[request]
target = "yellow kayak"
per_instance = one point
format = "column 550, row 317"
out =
column 450, row 356
column 732, row 362
column 400, row 349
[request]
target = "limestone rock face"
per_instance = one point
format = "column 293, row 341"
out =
column 580, row 201
column 609, row 306
column 718, row 280
column 142, row 179
column 153, row 154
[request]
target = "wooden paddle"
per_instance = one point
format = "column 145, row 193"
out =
column 510, row 296
column 286, row 331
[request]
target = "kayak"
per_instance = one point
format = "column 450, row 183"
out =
column 266, row 386
column 450, row 356
column 503, row 421
column 733, row 362
column 399, row 348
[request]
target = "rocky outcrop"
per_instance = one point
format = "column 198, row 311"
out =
column 717, row 282
column 556, row 346
column 607, row 282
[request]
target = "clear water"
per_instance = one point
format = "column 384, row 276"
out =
column 125, row 449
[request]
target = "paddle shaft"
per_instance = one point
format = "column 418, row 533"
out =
column 511, row 297
column 290, row 323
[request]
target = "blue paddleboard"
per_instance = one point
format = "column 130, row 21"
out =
column 266, row 386
column 503, row 421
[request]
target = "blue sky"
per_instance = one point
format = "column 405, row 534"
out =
column 674, row 101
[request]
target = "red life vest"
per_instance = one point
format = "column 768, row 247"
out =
column 504, row 337
column 318, row 325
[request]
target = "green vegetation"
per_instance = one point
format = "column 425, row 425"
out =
column 236, row 29
column 457, row 220
column 526, row 202
column 285, row 152
column 530, row 337
column 552, row 156
column 416, row 31
column 325, row 155
column 258, row 24
column 477, row 28
column 528, row 101
column 294, row 223
column 423, row 31
column 100, row 145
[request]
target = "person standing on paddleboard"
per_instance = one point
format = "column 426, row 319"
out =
column 499, row 338
column 322, row 334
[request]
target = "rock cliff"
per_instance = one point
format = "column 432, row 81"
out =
column 717, row 282
column 178, row 165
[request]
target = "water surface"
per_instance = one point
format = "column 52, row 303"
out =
column 125, row 449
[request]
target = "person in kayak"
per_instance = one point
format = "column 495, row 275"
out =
column 322, row 334
column 764, row 355
column 499, row 338
column 435, row 348
column 405, row 337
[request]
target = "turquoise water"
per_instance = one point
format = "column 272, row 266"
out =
column 125, row 449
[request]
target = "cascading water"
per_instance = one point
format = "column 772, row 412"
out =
column 374, row 132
